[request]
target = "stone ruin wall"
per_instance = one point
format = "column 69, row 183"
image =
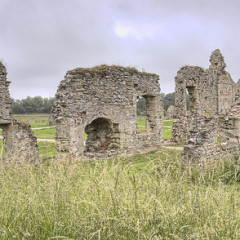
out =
column 211, row 92
column 101, row 102
column 211, row 139
column 206, row 127
column 18, row 140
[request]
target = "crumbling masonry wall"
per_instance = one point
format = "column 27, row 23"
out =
column 211, row 139
column 211, row 92
column 18, row 140
column 101, row 102
column 211, row 127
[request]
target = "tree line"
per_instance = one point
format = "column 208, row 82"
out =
column 31, row 105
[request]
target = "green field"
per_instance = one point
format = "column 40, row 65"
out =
column 167, row 123
column 48, row 133
column 47, row 151
column 35, row 120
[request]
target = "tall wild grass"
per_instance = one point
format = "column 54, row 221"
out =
column 150, row 196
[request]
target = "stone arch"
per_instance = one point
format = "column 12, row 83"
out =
column 103, row 136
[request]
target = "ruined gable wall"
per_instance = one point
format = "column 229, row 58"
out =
column 106, row 92
column 226, row 87
column 214, row 133
column 211, row 92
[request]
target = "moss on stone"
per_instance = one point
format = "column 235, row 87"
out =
column 105, row 68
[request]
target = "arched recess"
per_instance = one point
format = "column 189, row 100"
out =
column 102, row 135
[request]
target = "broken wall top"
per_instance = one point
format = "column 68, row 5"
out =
column 213, row 89
column 108, row 78
column 217, row 61
column 105, row 69
column 2, row 68
column 102, row 91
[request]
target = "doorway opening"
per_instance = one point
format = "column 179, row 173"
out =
column 147, row 122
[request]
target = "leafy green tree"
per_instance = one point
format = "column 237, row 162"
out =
column 32, row 105
column 169, row 99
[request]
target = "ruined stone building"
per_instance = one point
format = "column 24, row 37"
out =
column 206, row 128
column 98, row 106
column 18, row 140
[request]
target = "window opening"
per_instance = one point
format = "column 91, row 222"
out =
column 141, row 114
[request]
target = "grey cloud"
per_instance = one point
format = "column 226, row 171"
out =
column 41, row 40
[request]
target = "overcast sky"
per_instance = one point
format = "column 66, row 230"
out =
column 40, row 40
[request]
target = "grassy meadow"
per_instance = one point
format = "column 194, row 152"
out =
column 147, row 196
column 35, row 120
